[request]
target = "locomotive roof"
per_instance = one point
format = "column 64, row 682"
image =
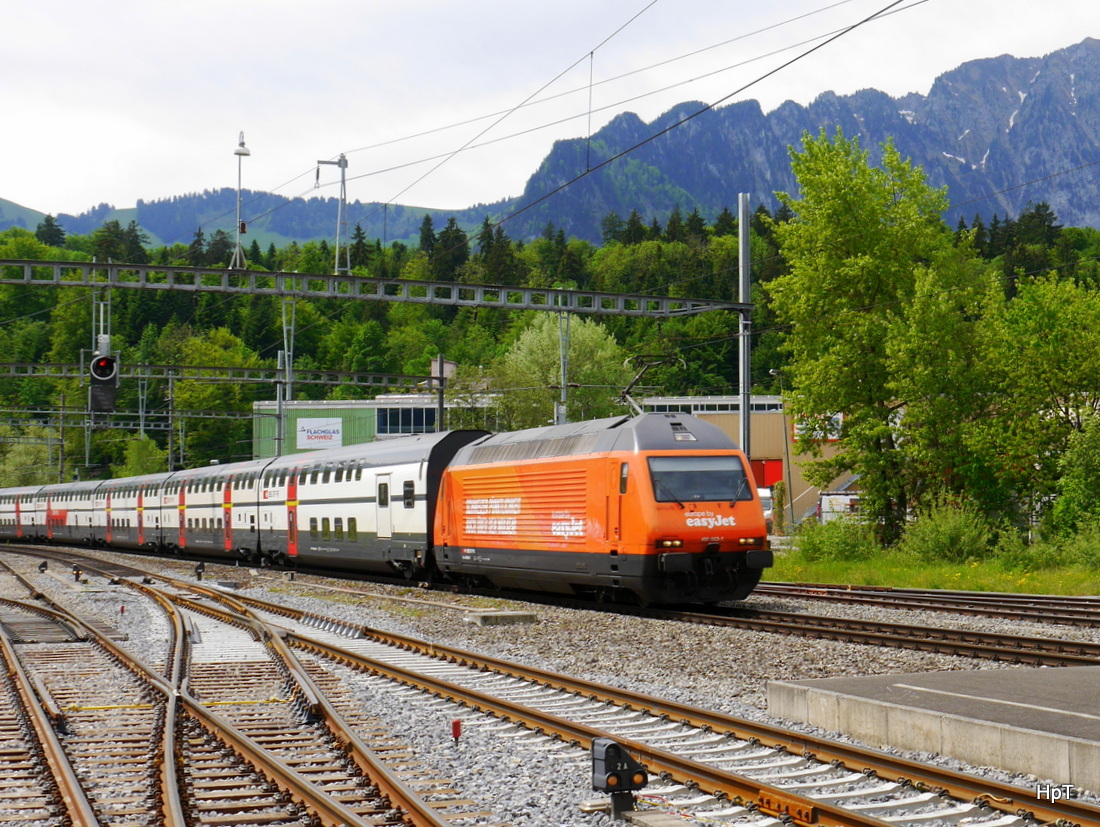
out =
column 647, row 432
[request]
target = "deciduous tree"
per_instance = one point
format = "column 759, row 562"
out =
column 859, row 236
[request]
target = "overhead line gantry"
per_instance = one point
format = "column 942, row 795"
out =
column 341, row 286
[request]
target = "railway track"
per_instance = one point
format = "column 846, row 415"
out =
column 1008, row 648
column 236, row 733
column 726, row 768
column 1005, row 648
column 1036, row 608
column 742, row 766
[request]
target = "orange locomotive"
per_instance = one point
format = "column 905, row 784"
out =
column 662, row 507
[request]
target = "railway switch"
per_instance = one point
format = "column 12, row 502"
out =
column 616, row 772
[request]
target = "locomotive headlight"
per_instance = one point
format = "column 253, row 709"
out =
column 670, row 544
column 750, row 541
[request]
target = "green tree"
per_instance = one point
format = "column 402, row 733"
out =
column 196, row 252
column 524, row 376
column 255, row 254
column 427, row 236
column 109, row 242
column 29, row 461
column 135, row 240
column 725, row 223
column 858, row 238
column 635, row 231
column 50, row 233
column 695, row 227
column 611, row 228
column 1043, row 379
column 219, row 252
column 1079, row 486
column 945, row 385
column 452, row 250
column 674, row 227
column 142, row 456
column 211, row 438
column 360, row 253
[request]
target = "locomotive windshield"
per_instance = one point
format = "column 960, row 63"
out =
column 699, row 479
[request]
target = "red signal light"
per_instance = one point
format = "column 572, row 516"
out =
column 104, row 368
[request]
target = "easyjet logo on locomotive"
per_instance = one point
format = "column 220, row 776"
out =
column 708, row 519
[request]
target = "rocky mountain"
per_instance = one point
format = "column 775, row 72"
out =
column 999, row 133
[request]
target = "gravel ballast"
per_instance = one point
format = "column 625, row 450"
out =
column 522, row 781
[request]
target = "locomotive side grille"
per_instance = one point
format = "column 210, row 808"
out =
column 533, row 449
column 529, row 507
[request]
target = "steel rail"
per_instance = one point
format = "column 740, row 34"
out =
column 767, row 798
column 171, row 805
column 418, row 813
column 78, row 808
column 1003, row 797
column 999, row 796
column 331, row 812
column 1034, row 608
column 986, row 645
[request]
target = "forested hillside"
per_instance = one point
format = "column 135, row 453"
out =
column 959, row 356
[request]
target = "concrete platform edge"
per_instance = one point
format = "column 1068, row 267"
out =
column 983, row 743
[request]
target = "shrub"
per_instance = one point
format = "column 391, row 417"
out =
column 947, row 532
column 1012, row 552
column 843, row 539
column 1083, row 547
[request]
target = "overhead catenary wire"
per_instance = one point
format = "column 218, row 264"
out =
column 533, row 99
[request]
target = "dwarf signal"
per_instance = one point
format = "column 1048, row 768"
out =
column 615, row 771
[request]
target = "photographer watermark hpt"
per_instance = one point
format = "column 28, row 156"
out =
column 1054, row 792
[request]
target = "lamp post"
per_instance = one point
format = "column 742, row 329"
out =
column 786, row 447
column 238, row 254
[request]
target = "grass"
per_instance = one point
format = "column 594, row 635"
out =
column 894, row 570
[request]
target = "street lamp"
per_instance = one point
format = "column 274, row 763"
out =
column 786, row 447
column 238, row 254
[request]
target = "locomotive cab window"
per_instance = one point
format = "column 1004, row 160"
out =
column 409, row 494
column 699, row 479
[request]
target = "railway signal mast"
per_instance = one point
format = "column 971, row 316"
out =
column 103, row 371
column 341, row 213
column 238, row 261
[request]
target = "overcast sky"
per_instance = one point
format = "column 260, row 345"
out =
column 145, row 99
